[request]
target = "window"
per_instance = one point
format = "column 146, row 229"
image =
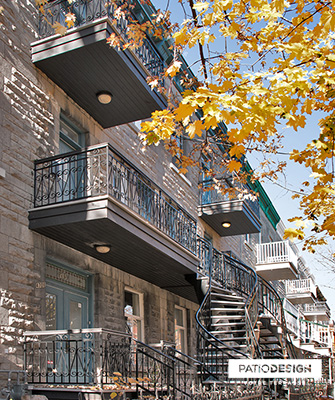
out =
column 71, row 172
column 70, row 137
column 180, row 329
column 133, row 311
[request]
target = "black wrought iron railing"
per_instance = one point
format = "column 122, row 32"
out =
column 100, row 357
column 102, row 171
column 77, row 357
column 88, row 11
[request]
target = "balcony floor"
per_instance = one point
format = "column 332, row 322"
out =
column 83, row 64
column 137, row 247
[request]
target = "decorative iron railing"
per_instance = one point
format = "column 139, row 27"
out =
column 276, row 252
column 88, row 11
column 77, row 357
column 214, row 192
column 101, row 171
column 96, row 357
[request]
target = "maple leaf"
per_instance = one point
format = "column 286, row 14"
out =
column 70, row 19
column 293, row 233
column 234, row 165
column 59, row 29
column 173, row 69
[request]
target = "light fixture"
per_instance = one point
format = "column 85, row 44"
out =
column 102, row 248
column 104, row 97
column 226, row 224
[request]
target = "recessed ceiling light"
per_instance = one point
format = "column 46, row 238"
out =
column 102, row 248
column 104, row 97
column 226, row 224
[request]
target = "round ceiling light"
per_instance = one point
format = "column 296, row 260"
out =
column 102, row 248
column 226, row 224
column 104, row 97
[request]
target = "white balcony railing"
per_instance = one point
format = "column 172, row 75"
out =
column 292, row 317
column 276, row 252
column 317, row 333
column 300, row 286
column 317, row 308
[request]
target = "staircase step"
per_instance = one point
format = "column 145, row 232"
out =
column 224, row 317
column 228, row 323
column 270, row 342
column 223, row 309
column 227, row 332
column 228, row 302
column 227, row 295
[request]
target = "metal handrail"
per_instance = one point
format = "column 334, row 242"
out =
column 280, row 319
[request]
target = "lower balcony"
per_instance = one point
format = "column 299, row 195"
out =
column 276, row 261
column 94, row 197
column 301, row 291
column 318, row 311
column 100, row 364
column 228, row 216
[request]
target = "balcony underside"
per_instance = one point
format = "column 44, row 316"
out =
column 277, row 271
column 316, row 315
column 137, row 247
column 83, row 64
column 237, row 212
column 301, row 298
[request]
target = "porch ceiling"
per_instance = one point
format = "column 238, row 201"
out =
column 136, row 246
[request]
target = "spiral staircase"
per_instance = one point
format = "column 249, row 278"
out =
column 241, row 316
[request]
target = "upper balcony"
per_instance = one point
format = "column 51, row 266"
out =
column 276, row 261
column 301, row 291
column 96, row 197
column 318, row 311
column 228, row 216
column 83, row 64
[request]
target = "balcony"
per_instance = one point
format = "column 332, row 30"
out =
column 318, row 311
column 276, row 261
column 301, row 291
column 96, row 363
column 241, row 214
column 95, row 196
column 316, row 338
column 83, row 64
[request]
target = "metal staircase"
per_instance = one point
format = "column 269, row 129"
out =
column 241, row 315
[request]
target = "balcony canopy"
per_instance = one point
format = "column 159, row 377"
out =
column 83, row 64
column 96, row 197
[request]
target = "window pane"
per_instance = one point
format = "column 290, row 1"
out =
column 179, row 317
column 75, row 315
column 50, row 301
column 132, row 304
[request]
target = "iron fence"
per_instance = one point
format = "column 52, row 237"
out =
column 99, row 171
